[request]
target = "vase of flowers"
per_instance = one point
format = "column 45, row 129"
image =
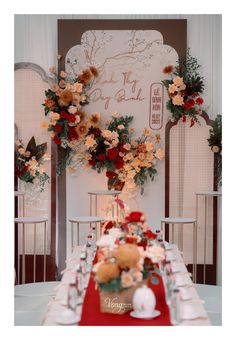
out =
column 125, row 262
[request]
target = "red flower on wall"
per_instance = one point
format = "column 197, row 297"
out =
column 73, row 134
column 58, row 128
column 112, row 154
column 199, row 101
column 57, row 140
column 111, row 174
column 119, row 163
column 101, row 157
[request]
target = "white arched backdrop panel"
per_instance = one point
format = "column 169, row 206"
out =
column 36, row 41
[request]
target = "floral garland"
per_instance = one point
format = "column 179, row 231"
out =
column 184, row 89
column 29, row 162
column 215, row 142
column 64, row 107
column 125, row 159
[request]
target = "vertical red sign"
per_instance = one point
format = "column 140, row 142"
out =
column 156, row 106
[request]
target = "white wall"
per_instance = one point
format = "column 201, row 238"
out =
column 36, row 41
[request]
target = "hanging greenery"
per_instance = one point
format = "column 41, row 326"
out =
column 215, row 142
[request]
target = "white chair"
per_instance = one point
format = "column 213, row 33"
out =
column 84, row 220
column 213, row 302
column 35, row 221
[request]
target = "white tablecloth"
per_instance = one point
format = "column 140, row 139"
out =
column 58, row 304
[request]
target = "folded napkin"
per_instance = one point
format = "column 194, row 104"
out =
column 193, row 310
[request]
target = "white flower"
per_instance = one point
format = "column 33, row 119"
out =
column 155, row 253
column 106, row 241
column 121, row 127
column 114, row 135
column 106, row 134
column 72, row 109
column 90, row 142
column 115, row 233
column 127, row 146
column 115, row 114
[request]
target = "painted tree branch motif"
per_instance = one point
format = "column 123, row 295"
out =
column 138, row 50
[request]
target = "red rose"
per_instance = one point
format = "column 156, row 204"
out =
column 119, row 163
column 72, row 134
column 109, row 225
column 121, row 147
column 149, row 234
column 183, row 118
column 57, row 140
column 199, row 101
column 130, row 239
column 189, row 104
column 111, row 174
column 134, row 216
column 112, row 154
column 101, row 157
column 142, row 244
column 64, row 115
column 95, row 131
column 125, row 227
column 192, row 122
column 92, row 162
column 71, row 118
column 58, row 128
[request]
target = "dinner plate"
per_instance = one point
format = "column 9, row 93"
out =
column 153, row 315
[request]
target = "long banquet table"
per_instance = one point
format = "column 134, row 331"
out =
column 91, row 316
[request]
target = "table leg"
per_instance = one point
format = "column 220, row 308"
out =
column 194, row 254
column 90, row 205
column 44, row 252
column 18, row 256
column 77, row 234
column 173, row 235
column 96, row 205
column 72, row 236
column 23, row 253
column 23, row 202
column 196, row 251
column 204, row 267
column 196, row 231
column 34, row 252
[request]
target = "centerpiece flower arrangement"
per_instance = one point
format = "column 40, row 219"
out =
column 29, row 162
column 125, row 262
column 184, row 88
column 64, row 106
column 124, row 158
column 215, row 142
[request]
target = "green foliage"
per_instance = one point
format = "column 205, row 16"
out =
column 215, row 140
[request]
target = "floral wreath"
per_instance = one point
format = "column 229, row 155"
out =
column 184, row 89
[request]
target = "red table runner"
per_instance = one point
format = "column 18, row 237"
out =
column 91, row 315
